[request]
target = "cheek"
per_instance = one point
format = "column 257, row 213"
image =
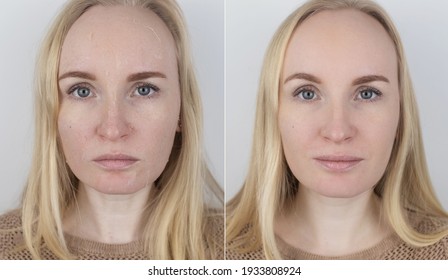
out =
column 380, row 127
column 382, row 135
column 73, row 136
column 156, row 133
column 296, row 132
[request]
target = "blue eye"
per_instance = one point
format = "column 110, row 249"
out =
column 306, row 94
column 146, row 90
column 368, row 94
column 81, row 91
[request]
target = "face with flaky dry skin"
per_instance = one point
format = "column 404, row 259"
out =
column 119, row 98
column 339, row 103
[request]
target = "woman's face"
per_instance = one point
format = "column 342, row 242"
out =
column 120, row 98
column 339, row 103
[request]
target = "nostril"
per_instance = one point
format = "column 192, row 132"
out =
column 113, row 126
column 338, row 129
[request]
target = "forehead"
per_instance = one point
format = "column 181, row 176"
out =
column 119, row 34
column 341, row 39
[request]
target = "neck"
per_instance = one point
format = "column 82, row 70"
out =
column 333, row 226
column 106, row 218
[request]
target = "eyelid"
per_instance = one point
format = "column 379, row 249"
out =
column 296, row 93
column 140, row 84
column 73, row 88
column 377, row 92
column 155, row 88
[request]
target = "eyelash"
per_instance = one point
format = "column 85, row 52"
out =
column 298, row 93
column 74, row 88
column 156, row 89
column 378, row 94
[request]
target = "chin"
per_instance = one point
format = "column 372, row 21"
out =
column 340, row 193
column 117, row 185
column 339, row 185
column 339, row 190
column 117, row 189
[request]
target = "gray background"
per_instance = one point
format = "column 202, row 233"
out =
column 423, row 27
column 23, row 24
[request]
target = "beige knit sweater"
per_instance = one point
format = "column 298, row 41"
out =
column 391, row 248
column 84, row 249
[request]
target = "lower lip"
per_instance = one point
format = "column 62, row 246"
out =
column 338, row 166
column 115, row 164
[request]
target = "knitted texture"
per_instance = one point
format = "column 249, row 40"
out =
column 391, row 248
column 11, row 237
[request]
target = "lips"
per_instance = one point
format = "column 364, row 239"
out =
column 339, row 163
column 115, row 161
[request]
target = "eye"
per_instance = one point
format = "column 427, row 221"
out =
column 368, row 94
column 80, row 91
column 306, row 94
column 146, row 90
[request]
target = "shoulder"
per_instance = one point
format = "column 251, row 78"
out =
column 241, row 254
column 432, row 226
column 214, row 234
column 11, row 220
column 10, row 233
column 429, row 226
column 404, row 251
column 214, row 220
column 244, row 247
column 214, row 226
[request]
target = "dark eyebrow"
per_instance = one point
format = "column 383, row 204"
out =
column 78, row 74
column 145, row 75
column 303, row 76
column 369, row 78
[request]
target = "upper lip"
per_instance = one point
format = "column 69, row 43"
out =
column 115, row 157
column 340, row 158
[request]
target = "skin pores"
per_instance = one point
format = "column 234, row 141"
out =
column 339, row 103
column 119, row 98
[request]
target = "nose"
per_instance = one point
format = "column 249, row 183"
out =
column 113, row 124
column 338, row 124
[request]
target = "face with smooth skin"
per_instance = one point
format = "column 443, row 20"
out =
column 339, row 103
column 119, row 98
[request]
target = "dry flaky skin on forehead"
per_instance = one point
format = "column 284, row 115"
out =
column 131, row 20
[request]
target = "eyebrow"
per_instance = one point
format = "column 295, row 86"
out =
column 357, row 81
column 369, row 78
column 303, row 76
column 145, row 75
column 77, row 74
column 132, row 78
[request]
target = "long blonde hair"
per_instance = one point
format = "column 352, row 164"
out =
column 405, row 186
column 177, row 215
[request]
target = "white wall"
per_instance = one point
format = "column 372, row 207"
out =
column 423, row 27
column 23, row 24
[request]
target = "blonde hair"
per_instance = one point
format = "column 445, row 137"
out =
column 405, row 186
column 177, row 214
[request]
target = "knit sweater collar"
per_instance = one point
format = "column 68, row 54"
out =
column 80, row 246
column 375, row 252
